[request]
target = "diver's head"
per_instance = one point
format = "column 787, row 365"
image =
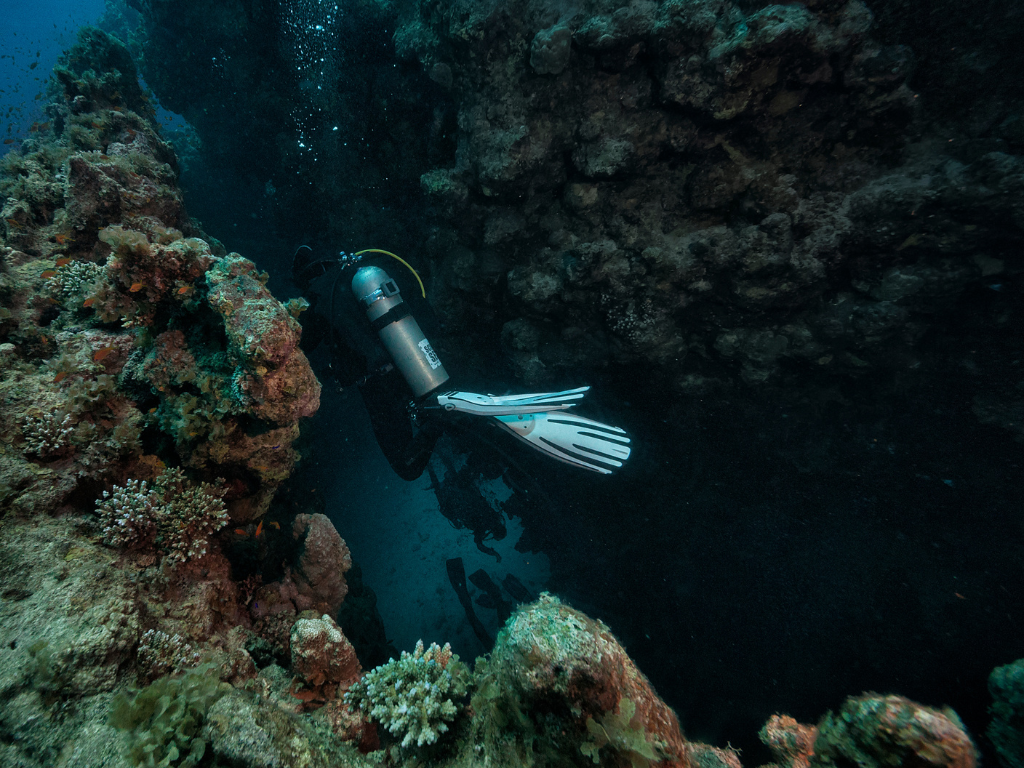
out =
column 302, row 261
column 306, row 267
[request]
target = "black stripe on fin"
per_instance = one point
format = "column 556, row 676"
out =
column 596, row 453
column 624, row 442
column 585, row 460
column 588, row 425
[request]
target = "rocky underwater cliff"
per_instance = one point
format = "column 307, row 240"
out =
column 152, row 388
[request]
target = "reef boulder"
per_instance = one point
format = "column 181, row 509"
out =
column 122, row 318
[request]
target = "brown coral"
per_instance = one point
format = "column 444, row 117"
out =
column 552, row 652
column 889, row 730
column 320, row 572
column 791, row 743
column 322, row 656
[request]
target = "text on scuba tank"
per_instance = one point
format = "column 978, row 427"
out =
column 429, row 353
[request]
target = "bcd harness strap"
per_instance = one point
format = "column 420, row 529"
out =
column 392, row 315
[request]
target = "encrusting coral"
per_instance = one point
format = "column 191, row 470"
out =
column 791, row 743
column 1006, row 731
column 875, row 731
column 323, row 657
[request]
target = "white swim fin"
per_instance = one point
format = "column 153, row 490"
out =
column 570, row 438
column 494, row 405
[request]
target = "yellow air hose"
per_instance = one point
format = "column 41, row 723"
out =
column 399, row 258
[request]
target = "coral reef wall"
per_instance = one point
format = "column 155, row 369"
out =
column 128, row 339
column 722, row 191
column 726, row 192
column 783, row 239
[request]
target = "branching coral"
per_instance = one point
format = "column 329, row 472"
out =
column 162, row 654
column 415, row 697
column 129, row 515
column 47, row 435
column 71, row 282
column 174, row 515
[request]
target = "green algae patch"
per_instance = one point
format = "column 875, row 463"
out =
column 165, row 718
column 617, row 731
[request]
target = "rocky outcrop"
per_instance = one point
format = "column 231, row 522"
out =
column 121, row 324
column 723, row 191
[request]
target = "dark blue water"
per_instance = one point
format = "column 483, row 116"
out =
column 32, row 37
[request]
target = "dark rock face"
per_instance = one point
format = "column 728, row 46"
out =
column 962, row 52
column 721, row 191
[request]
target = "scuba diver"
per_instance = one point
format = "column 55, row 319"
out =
column 377, row 344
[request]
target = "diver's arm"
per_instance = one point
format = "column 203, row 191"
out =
column 314, row 329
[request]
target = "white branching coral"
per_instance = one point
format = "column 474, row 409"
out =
column 175, row 515
column 47, row 435
column 128, row 515
column 72, row 281
column 416, row 696
column 162, row 654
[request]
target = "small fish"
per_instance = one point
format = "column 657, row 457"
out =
column 99, row 354
column 61, row 239
column 63, row 262
column 259, row 529
column 12, row 222
column 89, row 302
column 33, row 65
column 49, row 273
column 241, row 531
column 184, row 289
column 275, row 524
column 96, row 125
column 153, row 409
column 136, row 287
column 8, row 141
column 60, row 377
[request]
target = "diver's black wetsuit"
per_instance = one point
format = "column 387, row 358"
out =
column 358, row 358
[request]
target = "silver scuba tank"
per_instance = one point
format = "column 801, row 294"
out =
column 398, row 330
